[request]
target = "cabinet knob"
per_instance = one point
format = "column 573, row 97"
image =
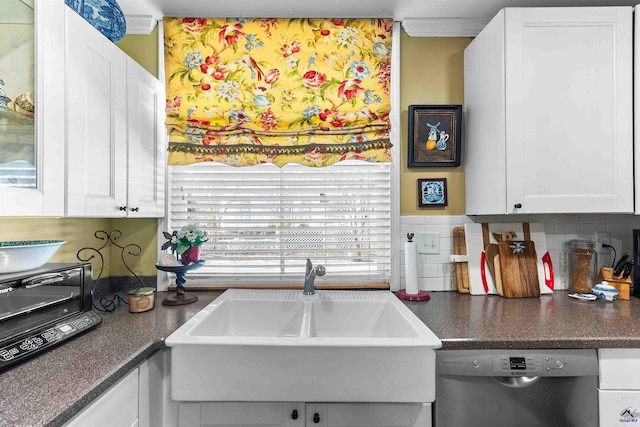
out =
column 294, row 414
column 517, row 205
column 316, row 418
column 122, row 208
column 136, row 209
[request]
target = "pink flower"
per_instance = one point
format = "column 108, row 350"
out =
column 315, row 155
column 230, row 33
column 384, row 74
column 350, row 89
column 175, row 102
column 212, row 67
column 386, row 24
column 290, row 50
column 193, row 25
column 172, row 105
column 272, row 76
column 313, row 79
column 355, row 155
column 268, row 120
column 332, row 117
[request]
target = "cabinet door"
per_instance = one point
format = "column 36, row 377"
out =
column 32, row 148
column 117, row 407
column 484, row 120
column 619, row 368
column 569, row 109
column 241, row 414
column 96, row 118
column 151, row 397
column 146, row 143
column 368, row 415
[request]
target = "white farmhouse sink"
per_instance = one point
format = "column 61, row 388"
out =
column 279, row 345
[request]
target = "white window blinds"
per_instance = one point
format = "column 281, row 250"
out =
column 263, row 222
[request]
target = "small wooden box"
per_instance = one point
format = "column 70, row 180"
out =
column 622, row 285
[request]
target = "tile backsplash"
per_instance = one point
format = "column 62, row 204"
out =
column 434, row 271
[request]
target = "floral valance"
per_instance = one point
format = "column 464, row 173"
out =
column 249, row 91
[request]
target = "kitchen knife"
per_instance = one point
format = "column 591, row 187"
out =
column 627, row 269
column 620, row 265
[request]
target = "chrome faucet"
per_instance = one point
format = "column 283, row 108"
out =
column 310, row 276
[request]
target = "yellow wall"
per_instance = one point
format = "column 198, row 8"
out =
column 431, row 73
column 139, row 231
column 142, row 48
column 79, row 233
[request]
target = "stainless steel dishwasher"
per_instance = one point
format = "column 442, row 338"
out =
column 529, row 388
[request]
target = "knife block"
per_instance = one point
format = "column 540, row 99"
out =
column 622, row 285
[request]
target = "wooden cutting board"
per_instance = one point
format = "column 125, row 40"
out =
column 480, row 280
column 493, row 263
column 519, row 269
column 460, row 274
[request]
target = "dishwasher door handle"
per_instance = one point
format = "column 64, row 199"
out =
column 516, row 382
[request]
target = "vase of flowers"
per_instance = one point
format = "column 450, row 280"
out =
column 191, row 255
column 186, row 243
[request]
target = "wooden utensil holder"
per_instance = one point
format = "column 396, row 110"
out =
column 622, row 285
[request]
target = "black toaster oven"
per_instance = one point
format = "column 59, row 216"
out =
column 42, row 308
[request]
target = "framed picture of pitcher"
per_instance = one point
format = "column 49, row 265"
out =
column 435, row 135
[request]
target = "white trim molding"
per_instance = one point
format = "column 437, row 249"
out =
column 443, row 27
column 140, row 24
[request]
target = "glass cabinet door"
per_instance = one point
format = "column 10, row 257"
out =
column 17, row 93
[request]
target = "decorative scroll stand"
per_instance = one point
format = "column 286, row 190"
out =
column 86, row 254
column 181, row 296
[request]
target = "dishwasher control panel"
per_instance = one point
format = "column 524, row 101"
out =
column 516, row 363
column 526, row 365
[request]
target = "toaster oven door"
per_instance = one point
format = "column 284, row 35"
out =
column 30, row 302
column 43, row 308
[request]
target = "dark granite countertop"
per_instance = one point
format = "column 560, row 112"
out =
column 463, row 321
column 49, row 389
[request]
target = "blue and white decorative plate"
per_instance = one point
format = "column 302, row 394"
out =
column 105, row 15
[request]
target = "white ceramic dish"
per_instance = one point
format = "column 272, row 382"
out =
column 605, row 291
column 26, row 255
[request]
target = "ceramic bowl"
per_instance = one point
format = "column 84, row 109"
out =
column 26, row 255
column 105, row 15
column 605, row 291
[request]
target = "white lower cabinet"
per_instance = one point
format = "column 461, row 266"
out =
column 137, row 400
column 117, row 407
column 368, row 415
column 298, row 414
column 619, row 387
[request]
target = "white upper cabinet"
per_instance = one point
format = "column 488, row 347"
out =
column 115, row 131
column 94, row 144
column 31, row 142
column 96, row 98
column 548, row 112
column 146, row 132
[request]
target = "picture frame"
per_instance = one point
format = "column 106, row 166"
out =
column 432, row 192
column 435, row 135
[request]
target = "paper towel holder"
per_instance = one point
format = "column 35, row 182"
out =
column 421, row 295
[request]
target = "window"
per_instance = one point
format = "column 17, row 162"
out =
column 263, row 221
